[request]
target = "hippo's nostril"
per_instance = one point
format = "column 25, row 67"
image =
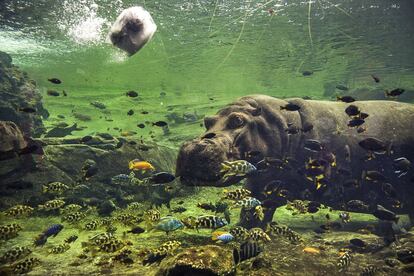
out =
column 209, row 135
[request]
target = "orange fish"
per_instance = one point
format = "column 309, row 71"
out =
column 311, row 250
column 138, row 165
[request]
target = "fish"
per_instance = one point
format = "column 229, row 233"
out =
column 352, row 110
column 345, row 99
column 247, row 250
column 374, row 145
column 160, row 124
column 121, row 179
column 141, row 125
column 269, row 162
column 19, row 211
column 98, row 105
column 64, row 93
column 82, row 117
column 101, row 238
column 60, row 248
column 355, row 122
column 292, row 130
column 357, row 242
column 53, row 93
column 55, row 188
column 27, row 109
column 52, row 205
column 161, row 252
column 25, row 266
column 384, row 214
column 237, row 194
column 342, row 87
column 169, row 224
column 160, row 178
column 92, row 225
column 178, row 209
column 71, row 239
column 55, row 80
column 236, row 168
column 86, row 139
column 374, row 176
column 258, row 212
column 257, row 234
column 272, row 188
column 361, row 129
column 138, row 165
column 313, row 145
column 363, row 115
column 52, row 230
column 290, row 107
column 311, row 250
column 14, row 254
column 284, row 231
column 9, row 231
column 240, row 233
column 394, row 93
column 357, row 206
column 401, row 166
column 130, row 112
column 136, row 230
column 144, row 113
column 345, row 217
column 112, row 245
column 71, row 208
column 74, row 217
column 307, row 73
column 210, row 222
column 247, row 203
column 344, row 261
column 375, row 78
column 298, row 206
column 152, row 215
column 224, row 237
column 207, row 206
column 132, row 94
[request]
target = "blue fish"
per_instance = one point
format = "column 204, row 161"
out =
column 53, row 230
column 121, row 179
column 168, row 224
column 224, row 237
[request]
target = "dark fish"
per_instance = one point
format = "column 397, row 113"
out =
column 342, row 87
column 374, row 145
column 71, row 239
column 272, row 188
column 246, row 251
column 307, row 73
column 384, row 214
column 55, row 80
column 358, row 242
column 136, row 230
column 363, row 115
column 27, row 109
column 401, row 166
column 90, row 172
column 160, row 124
column 345, row 99
column 179, row 209
column 290, row 107
column 163, row 94
column 375, row 78
column 132, row 94
column 53, row 93
column 361, row 129
column 64, row 93
column 207, row 206
column 86, row 138
column 141, row 125
column 130, row 112
column 356, row 205
column 292, row 129
column 144, row 112
column 313, row 145
column 180, row 202
column 52, row 230
column 270, row 162
column 352, row 110
column 161, row 178
column 394, row 93
column 374, row 176
column 356, row 122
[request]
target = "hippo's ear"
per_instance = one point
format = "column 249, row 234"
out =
column 209, row 121
column 257, row 111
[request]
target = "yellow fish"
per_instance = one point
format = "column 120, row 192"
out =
column 311, row 250
column 138, row 165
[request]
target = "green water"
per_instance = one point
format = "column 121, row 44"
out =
column 204, row 55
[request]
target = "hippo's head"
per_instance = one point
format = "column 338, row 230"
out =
column 244, row 126
column 133, row 28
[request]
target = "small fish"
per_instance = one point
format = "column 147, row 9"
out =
column 145, row 113
column 342, row 87
column 247, row 250
column 383, row 214
column 152, row 215
column 298, row 206
column 361, row 129
column 344, row 261
column 237, row 194
column 207, row 206
column 71, row 208
column 345, row 217
column 132, row 94
column 60, row 248
column 363, row 115
column 64, row 93
column 71, row 239
column 258, row 212
column 92, row 225
column 224, row 237
column 357, row 206
column 292, row 130
column 247, row 203
column 290, row 107
column 374, row 145
column 160, row 178
column 370, row 270
column 345, row 99
column 138, row 165
column 257, row 234
column 9, row 231
column 210, row 222
column 25, row 266
column 74, row 217
column 307, row 73
column 98, row 105
column 352, row 111
column 169, row 224
column 136, row 230
column 394, row 93
column 178, row 209
column 52, row 205
column 236, row 168
column 112, row 245
column 55, row 80
column 161, row 252
column 356, row 122
column 141, row 125
column 53, row 93
column 130, row 112
column 19, row 211
column 375, row 78
column 160, row 124
column 313, row 145
column 14, row 254
column 27, row 109
column 401, row 166
column 240, row 233
column 311, row 250
column 357, row 242
column 284, row 231
column 55, row 188
column 374, row 176
column 52, row 230
column 86, row 139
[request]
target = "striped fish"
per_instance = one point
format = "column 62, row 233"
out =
column 284, row 231
column 246, row 251
column 210, row 222
column 344, row 261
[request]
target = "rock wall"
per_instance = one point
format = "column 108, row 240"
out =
column 18, row 91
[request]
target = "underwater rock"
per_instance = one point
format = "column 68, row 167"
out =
column 11, row 137
column 406, row 255
column 133, row 28
column 204, row 260
column 17, row 92
column 257, row 123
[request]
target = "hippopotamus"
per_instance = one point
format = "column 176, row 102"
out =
column 133, row 28
column 261, row 125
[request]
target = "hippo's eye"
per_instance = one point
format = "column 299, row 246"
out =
column 235, row 121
